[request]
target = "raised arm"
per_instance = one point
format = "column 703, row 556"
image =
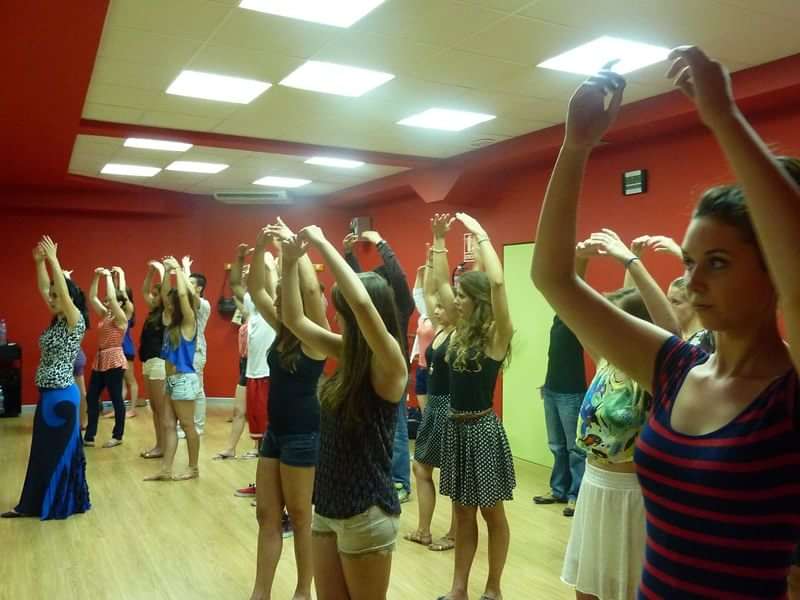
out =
column 389, row 372
column 50, row 251
column 257, row 278
column 440, row 224
column 394, row 273
column 42, row 276
column 319, row 339
column 97, row 305
column 237, row 287
column 503, row 329
column 348, row 242
column 773, row 197
column 122, row 283
column 182, row 284
column 120, row 318
column 598, row 323
column 429, row 289
column 151, row 297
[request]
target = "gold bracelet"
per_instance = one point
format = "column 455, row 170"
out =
column 483, row 239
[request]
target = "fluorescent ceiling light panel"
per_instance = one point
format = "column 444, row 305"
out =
column 157, row 145
column 282, row 182
column 341, row 163
column 222, row 88
column 442, row 118
column 592, row 56
column 188, row 166
column 330, row 78
column 339, row 13
column 130, row 170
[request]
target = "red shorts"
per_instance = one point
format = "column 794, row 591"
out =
column 257, row 394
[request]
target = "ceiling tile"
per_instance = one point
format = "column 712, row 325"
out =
column 467, row 69
column 178, row 121
column 140, row 75
column 199, row 107
column 507, row 6
column 194, row 19
column 521, row 40
column 515, row 105
column 278, row 35
column 539, row 83
column 506, row 126
column 444, row 22
column 244, row 62
column 785, row 9
column 134, row 45
column 114, row 114
column 117, row 95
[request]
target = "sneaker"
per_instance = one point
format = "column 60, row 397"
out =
column 549, row 499
column 569, row 509
column 402, row 493
column 246, row 492
column 286, row 526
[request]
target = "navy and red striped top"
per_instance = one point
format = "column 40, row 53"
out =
column 723, row 509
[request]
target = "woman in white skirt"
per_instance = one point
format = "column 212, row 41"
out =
column 477, row 469
column 606, row 546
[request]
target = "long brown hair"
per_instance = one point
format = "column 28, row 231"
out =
column 349, row 390
column 174, row 328
column 155, row 316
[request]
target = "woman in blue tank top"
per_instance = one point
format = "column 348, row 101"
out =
column 477, row 469
column 183, row 385
column 290, row 448
column 355, row 522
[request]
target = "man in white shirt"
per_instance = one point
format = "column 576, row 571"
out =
column 201, row 352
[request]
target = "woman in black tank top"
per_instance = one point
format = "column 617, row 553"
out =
column 356, row 507
column 430, row 436
column 477, row 470
column 290, row 447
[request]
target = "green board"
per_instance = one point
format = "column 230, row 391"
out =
column 523, row 410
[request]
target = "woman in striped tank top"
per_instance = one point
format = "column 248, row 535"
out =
column 108, row 369
column 718, row 458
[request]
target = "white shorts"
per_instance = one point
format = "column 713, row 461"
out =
column 365, row 533
column 155, row 369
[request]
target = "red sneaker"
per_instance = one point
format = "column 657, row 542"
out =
column 246, row 492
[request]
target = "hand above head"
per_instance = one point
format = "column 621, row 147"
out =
column 588, row 248
column 280, row 230
column 471, row 224
column 243, row 250
column 102, row 271
column 312, row 234
column 663, row 243
column 294, row 247
column 171, row 263
column 705, row 81
column 440, row 224
column 639, row 244
column 116, row 270
column 38, row 253
column 68, row 274
column 610, row 244
column 186, row 263
column 156, row 266
column 373, row 237
column 348, row 241
column 49, row 247
column 588, row 119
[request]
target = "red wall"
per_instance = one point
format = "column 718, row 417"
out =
column 680, row 166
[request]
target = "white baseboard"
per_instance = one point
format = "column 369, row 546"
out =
column 29, row 409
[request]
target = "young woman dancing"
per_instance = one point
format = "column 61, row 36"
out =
column 182, row 384
column 717, row 459
column 109, row 364
column 477, row 471
column 153, row 366
column 128, row 347
column 55, row 483
column 290, row 449
column 356, row 508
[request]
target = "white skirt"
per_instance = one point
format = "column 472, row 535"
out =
column 606, row 546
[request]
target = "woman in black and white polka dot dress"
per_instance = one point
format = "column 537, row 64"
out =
column 477, row 469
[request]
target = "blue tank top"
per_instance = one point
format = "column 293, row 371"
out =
column 182, row 356
column 127, row 342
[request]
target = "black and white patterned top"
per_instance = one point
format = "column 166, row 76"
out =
column 59, row 346
column 355, row 469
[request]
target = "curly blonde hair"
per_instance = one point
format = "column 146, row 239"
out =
column 468, row 346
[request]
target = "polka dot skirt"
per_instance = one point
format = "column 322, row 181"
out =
column 477, row 466
column 430, row 435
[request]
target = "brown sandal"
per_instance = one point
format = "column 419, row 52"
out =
column 442, row 544
column 417, row 538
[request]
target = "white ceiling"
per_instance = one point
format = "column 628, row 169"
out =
column 475, row 55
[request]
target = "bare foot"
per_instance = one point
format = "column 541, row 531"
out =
column 130, row 414
column 154, row 453
column 160, row 476
column 108, row 415
column 192, row 473
column 224, row 455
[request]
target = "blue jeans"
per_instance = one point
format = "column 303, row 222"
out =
column 569, row 461
column 401, row 456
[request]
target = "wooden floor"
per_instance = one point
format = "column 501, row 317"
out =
column 191, row 540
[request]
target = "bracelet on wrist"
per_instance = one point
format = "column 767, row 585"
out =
column 630, row 261
column 480, row 240
column 439, row 250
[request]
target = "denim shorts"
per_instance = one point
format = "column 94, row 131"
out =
column 293, row 449
column 369, row 532
column 183, row 386
column 421, row 383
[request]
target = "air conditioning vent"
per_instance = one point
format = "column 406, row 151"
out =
column 276, row 197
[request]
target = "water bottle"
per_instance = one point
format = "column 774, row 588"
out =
column 3, row 333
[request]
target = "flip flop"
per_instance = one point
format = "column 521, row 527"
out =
column 415, row 537
column 159, row 477
column 148, row 454
column 112, row 443
column 222, row 456
column 250, row 454
column 442, row 544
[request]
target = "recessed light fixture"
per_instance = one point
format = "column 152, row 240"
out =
column 589, row 58
column 282, row 182
column 130, row 170
column 189, row 166
column 341, row 163
column 339, row 13
column 442, row 118
column 330, row 78
column 211, row 86
column 157, row 145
